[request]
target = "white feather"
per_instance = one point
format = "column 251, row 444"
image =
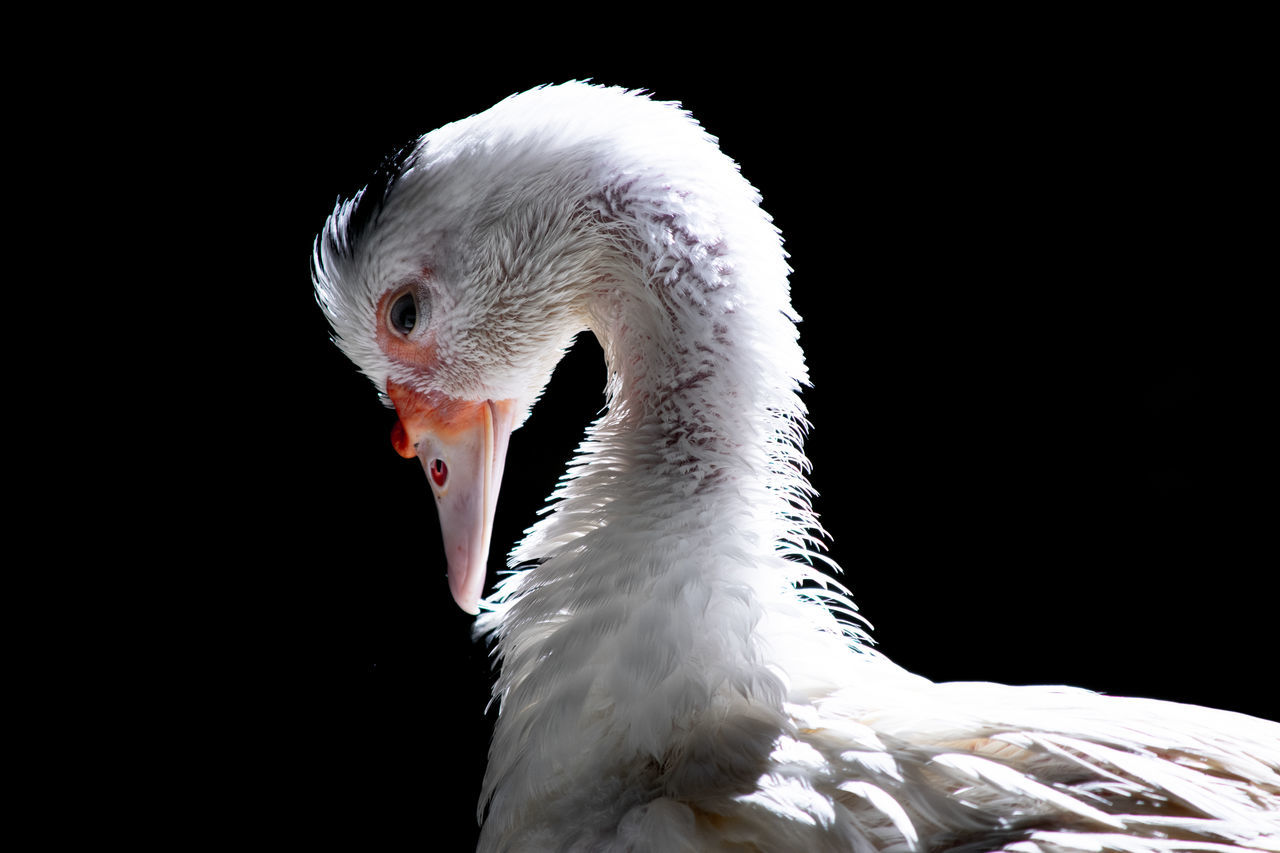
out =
column 674, row 674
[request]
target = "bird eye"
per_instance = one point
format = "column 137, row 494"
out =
column 439, row 472
column 404, row 314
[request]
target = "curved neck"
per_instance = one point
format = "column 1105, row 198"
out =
column 691, row 309
column 657, row 593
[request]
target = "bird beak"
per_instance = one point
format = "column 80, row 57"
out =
column 462, row 445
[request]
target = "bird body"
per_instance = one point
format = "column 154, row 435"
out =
column 675, row 674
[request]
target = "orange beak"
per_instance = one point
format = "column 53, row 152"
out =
column 462, row 445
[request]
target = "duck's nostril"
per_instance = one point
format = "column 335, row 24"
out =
column 439, row 472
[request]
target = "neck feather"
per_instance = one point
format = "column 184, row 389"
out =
column 660, row 588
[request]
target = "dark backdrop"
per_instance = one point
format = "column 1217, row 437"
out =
column 1026, row 318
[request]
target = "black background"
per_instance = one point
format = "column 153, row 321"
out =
column 1020, row 264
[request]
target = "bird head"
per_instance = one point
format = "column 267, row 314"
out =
column 451, row 281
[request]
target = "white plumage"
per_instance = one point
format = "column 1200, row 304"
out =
column 674, row 676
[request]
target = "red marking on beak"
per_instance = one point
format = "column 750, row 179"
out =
column 462, row 445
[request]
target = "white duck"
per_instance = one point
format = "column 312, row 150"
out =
column 674, row 674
